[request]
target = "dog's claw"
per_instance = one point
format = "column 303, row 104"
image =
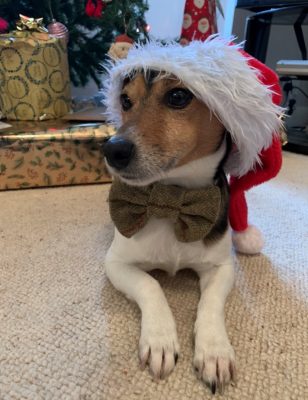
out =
column 163, row 365
column 144, row 358
column 214, row 364
column 213, row 387
column 232, row 370
column 176, row 357
column 221, row 387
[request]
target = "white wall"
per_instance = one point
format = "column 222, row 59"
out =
column 225, row 24
column 165, row 18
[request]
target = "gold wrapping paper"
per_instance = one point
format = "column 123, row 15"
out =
column 34, row 76
column 52, row 153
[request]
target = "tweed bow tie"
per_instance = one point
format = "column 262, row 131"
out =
column 193, row 212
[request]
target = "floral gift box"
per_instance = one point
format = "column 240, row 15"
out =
column 52, row 153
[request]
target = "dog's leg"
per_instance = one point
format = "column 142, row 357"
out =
column 214, row 355
column 158, row 344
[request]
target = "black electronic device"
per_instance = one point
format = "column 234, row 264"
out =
column 255, row 5
column 258, row 25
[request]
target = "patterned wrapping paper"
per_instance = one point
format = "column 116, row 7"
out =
column 34, row 76
column 52, row 153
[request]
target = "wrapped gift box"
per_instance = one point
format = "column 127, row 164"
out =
column 34, row 76
column 52, row 153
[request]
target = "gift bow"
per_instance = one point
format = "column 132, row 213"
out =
column 193, row 212
column 30, row 24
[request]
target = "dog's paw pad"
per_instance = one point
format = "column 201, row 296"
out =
column 215, row 365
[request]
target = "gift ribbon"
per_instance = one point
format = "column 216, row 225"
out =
column 30, row 24
column 27, row 27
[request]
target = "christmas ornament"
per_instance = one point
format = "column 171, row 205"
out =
column 3, row 25
column 94, row 8
column 142, row 26
column 119, row 49
column 58, row 30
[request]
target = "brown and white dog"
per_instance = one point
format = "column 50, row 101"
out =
column 173, row 107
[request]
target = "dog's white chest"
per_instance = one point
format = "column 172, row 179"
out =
column 155, row 246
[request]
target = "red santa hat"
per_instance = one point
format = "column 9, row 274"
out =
column 217, row 73
column 124, row 39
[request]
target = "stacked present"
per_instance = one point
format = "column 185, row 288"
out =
column 52, row 153
column 36, row 147
column 34, row 76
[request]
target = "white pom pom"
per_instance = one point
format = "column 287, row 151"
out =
column 249, row 241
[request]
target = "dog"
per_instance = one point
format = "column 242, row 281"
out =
column 184, row 116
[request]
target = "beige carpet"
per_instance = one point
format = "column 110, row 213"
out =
column 65, row 333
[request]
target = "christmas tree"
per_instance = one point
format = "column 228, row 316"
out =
column 92, row 25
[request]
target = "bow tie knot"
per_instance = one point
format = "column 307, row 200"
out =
column 158, row 207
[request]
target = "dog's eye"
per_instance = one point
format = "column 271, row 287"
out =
column 125, row 102
column 178, row 98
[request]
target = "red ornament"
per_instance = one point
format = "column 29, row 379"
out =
column 3, row 25
column 199, row 20
column 94, row 8
column 120, row 47
column 124, row 39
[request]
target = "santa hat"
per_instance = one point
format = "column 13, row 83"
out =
column 219, row 75
column 123, row 39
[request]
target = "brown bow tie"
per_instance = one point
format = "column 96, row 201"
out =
column 194, row 212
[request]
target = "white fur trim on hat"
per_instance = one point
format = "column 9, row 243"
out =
column 216, row 73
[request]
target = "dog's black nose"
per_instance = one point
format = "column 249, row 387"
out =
column 118, row 152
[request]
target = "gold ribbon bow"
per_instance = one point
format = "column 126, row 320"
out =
column 194, row 212
column 30, row 24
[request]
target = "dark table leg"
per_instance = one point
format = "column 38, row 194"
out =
column 257, row 33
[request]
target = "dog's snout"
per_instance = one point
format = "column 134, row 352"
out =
column 118, row 152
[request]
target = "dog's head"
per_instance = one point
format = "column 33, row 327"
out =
column 163, row 126
column 172, row 105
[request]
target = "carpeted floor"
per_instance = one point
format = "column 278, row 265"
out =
column 65, row 333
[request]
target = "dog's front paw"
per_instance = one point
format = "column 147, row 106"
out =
column 159, row 346
column 214, row 362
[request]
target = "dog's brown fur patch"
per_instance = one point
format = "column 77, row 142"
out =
column 184, row 134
